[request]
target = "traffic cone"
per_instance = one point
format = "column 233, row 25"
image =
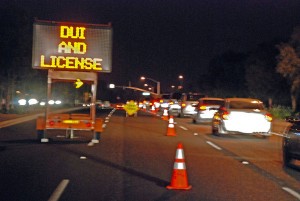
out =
column 165, row 115
column 171, row 127
column 152, row 108
column 179, row 179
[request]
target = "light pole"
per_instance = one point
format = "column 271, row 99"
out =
column 112, row 86
column 157, row 83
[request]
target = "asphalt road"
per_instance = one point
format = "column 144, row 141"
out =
column 134, row 161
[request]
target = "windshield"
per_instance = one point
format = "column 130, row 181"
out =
column 212, row 102
column 193, row 97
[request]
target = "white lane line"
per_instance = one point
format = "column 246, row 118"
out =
column 184, row 128
column 213, row 145
column 59, row 190
column 292, row 192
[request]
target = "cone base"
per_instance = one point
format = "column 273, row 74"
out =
column 179, row 188
column 171, row 132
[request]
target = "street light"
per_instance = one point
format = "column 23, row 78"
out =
column 180, row 77
column 157, row 83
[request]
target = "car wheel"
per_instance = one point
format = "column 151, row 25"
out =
column 215, row 130
column 286, row 156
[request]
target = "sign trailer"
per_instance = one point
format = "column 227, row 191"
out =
column 71, row 52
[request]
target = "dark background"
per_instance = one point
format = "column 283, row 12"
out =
column 162, row 39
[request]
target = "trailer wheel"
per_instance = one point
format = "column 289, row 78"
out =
column 40, row 134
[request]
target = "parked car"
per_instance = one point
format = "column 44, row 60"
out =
column 242, row 115
column 291, row 142
column 206, row 108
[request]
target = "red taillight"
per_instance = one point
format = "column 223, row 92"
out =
column 225, row 115
column 202, row 107
column 88, row 124
column 268, row 117
column 51, row 123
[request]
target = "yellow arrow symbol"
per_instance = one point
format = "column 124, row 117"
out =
column 78, row 83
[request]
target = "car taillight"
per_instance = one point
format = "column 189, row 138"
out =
column 225, row 115
column 51, row 123
column 268, row 117
column 202, row 107
column 88, row 124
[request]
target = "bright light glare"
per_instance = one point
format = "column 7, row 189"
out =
column 42, row 103
column 58, row 102
column 112, row 86
column 32, row 101
column 51, row 102
column 22, row 102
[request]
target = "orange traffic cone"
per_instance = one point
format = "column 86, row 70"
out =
column 165, row 115
column 152, row 108
column 179, row 179
column 171, row 127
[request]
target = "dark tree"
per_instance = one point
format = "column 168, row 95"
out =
column 289, row 64
column 262, row 79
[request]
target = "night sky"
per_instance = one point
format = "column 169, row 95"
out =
column 162, row 39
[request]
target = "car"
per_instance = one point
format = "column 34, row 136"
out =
column 168, row 102
column 188, row 103
column 206, row 108
column 119, row 106
column 174, row 107
column 164, row 102
column 106, row 105
column 291, row 142
column 242, row 115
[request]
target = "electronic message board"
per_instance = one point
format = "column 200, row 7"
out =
column 72, row 46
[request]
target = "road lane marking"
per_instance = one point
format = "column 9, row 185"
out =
column 213, row 145
column 59, row 190
column 292, row 192
column 245, row 162
column 184, row 128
